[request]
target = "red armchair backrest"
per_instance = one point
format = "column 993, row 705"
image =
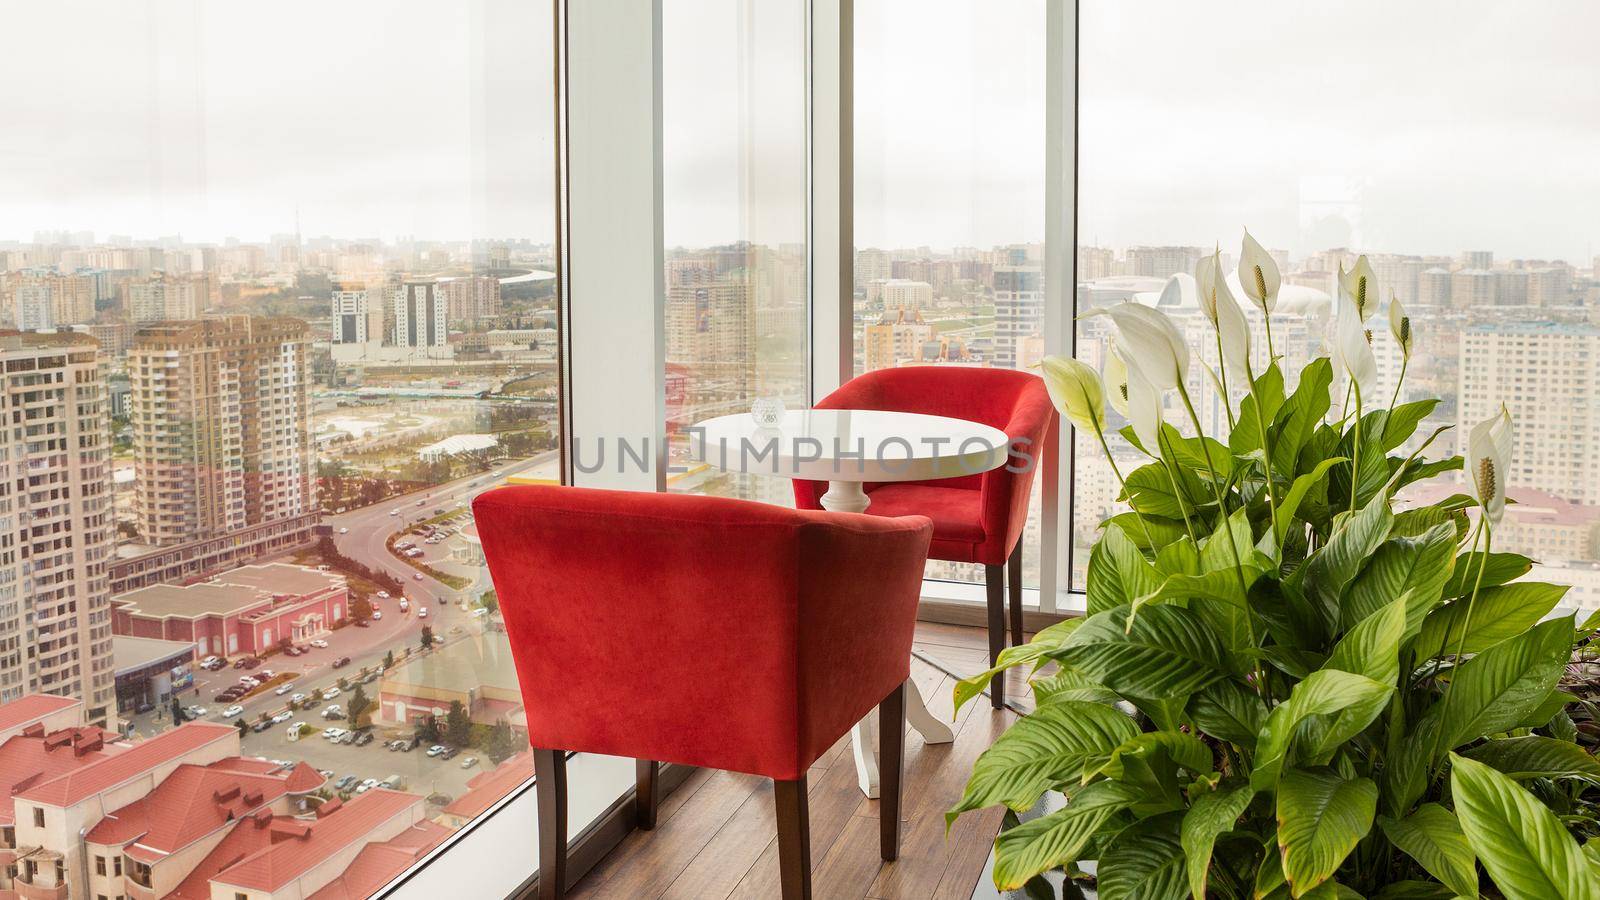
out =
column 699, row 630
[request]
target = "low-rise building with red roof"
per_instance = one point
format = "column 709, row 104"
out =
column 47, row 710
column 486, row 788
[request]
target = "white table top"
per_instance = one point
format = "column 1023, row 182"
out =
column 850, row 445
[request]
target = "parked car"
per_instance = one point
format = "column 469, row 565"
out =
column 282, row 717
column 194, row 712
column 436, row 749
column 450, row 754
column 233, row 711
column 330, row 693
column 292, row 650
column 346, row 783
column 469, row 762
column 341, row 662
column 250, row 662
column 402, row 545
column 367, row 785
column 227, row 696
column 349, row 737
column 211, row 663
column 296, row 698
column 333, row 712
column 320, row 644
column 284, row 688
column 331, row 732
column 383, row 595
column 265, row 675
column 260, row 726
column 364, row 739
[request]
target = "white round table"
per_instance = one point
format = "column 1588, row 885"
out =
column 846, row 448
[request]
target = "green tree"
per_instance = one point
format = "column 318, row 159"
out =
column 178, row 716
column 358, row 707
column 427, row 730
column 502, row 742
column 458, row 727
column 427, row 636
column 490, row 601
column 243, row 727
column 360, row 608
column 388, row 659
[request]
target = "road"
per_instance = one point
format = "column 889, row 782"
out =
column 362, row 535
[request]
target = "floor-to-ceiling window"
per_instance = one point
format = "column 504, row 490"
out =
column 1453, row 146
column 949, row 195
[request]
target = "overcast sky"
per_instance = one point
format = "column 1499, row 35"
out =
column 1426, row 127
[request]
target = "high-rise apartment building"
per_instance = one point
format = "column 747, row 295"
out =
column 903, row 293
column 1548, row 375
column 872, row 265
column 163, row 298
column 349, row 308
column 711, row 330
column 55, row 521
column 471, row 297
column 1018, row 309
column 1472, row 288
column 30, row 306
column 222, row 428
column 420, row 315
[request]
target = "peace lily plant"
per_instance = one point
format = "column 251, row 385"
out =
column 1286, row 685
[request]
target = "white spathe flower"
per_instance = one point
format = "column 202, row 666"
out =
column 1151, row 343
column 1360, row 287
column 1217, row 302
column 1116, row 380
column 1400, row 326
column 1354, row 350
column 1258, row 274
column 1489, row 461
column 1144, row 410
column 1076, row 390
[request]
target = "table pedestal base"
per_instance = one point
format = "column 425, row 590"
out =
column 848, row 496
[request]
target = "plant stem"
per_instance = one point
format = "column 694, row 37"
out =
column 1355, row 462
column 1205, row 449
column 1099, row 432
column 1266, row 453
column 1266, row 319
column 1222, row 376
column 1466, row 626
column 1177, row 494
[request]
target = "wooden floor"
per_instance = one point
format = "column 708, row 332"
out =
column 715, row 837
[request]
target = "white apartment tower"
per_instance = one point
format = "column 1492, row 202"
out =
column 350, row 303
column 420, row 315
column 222, row 428
column 1018, row 310
column 56, row 524
column 1548, row 375
column 163, row 299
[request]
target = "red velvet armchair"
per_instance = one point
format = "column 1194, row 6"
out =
column 976, row 518
column 703, row 631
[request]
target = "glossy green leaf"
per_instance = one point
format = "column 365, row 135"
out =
column 1290, row 504
column 1502, row 567
column 1433, row 838
column 1499, row 613
column 1144, row 862
column 1300, row 415
column 1149, row 490
column 1052, row 840
column 1029, row 654
column 1321, row 818
column 1493, row 691
column 1228, row 712
column 1417, row 566
column 1246, row 433
column 1067, row 684
column 1210, row 814
column 1324, row 692
column 1186, row 750
column 1536, row 756
column 1520, row 841
column 1043, row 750
column 1166, row 652
column 1118, row 573
column 1324, row 576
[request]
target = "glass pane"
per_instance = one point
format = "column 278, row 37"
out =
column 734, row 111
column 1454, row 163
column 949, row 185
column 286, row 304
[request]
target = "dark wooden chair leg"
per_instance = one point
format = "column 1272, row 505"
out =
column 550, row 770
column 1014, row 587
column 648, row 796
column 993, row 578
column 891, row 769
column 794, row 839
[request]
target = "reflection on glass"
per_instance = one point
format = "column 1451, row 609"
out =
column 1476, row 229
column 282, row 306
column 949, row 215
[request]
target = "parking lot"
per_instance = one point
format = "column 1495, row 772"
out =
column 418, row 772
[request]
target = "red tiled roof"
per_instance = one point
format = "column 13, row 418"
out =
column 86, row 781
column 34, row 758
column 248, row 837
column 31, row 708
column 378, row 863
column 290, row 856
column 485, row 788
column 195, row 801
